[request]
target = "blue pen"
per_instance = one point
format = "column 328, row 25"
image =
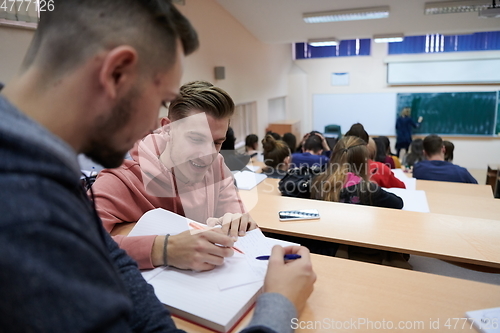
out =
column 287, row 257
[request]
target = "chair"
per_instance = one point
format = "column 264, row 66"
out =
column 333, row 129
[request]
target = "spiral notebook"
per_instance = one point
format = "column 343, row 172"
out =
column 215, row 299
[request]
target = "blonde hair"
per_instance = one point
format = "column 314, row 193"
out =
column 349, row 155
column 275, row 151
column 372, row 148
column 202, row 96
column 406, row 112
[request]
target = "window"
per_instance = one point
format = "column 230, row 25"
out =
column 346, row 48
column 437, row 43
column 244, row 122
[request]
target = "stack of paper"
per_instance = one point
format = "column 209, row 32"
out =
column 247, row 180
column 413, row 200
column 410, row 183
column 216, row 299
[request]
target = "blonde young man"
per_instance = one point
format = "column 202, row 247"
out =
column 178, row 168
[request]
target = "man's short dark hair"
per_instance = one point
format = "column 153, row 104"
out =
column 433, row 144
column 314, row 143
column 359, row 131
column 76, row 30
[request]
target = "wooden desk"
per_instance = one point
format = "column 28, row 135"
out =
column 440, row 201
column 461, row 205
column 346, row 290
column 455, row 238
column 470, row 190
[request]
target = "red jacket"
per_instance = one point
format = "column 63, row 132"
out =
column 383, row 176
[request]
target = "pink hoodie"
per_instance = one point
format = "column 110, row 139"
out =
column 124, row 194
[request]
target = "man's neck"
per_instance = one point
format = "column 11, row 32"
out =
column 51, row 105
column 437, row 157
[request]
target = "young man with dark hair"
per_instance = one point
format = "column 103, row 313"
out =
column 312, row 152
column 436, row 168
column 92, row 82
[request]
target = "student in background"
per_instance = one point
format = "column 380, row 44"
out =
column 178, row 168
column 312, row 154
column 436, row 168
column 387, row 144
column 290, row 140
column 275, row 135
column 379, row 172
column 232, row 159
column 416, row 153
column 381, row 155
column 449, row 147
column 251, row 145
column 277, row 157
column 346, row 178
column 404, row 129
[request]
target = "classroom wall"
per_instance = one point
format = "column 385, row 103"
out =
column 254, row 71
column 368, row 75
column 14, row 43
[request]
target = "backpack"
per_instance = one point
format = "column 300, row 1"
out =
column 297, row 181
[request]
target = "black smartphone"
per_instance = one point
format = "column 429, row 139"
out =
column 300, row 214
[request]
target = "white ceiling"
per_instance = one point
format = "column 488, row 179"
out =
column 280, row 21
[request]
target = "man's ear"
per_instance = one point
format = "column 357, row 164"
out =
column 164, row 121
column 119, row 71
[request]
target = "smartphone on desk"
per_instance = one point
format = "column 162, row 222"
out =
column 300, row 214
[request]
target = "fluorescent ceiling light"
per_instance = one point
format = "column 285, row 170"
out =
column 389, row 38
column 447, row 7
column 18, row 24
column 490, row 12
column 323, row 42
column 347, row 15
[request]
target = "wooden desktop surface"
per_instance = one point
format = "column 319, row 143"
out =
column 440, row 197
column 470, row 190
column 463, row 239
column 347, row 290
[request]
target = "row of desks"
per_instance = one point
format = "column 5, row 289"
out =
column 463, row 226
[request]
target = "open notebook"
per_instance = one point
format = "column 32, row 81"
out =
column 216, row 299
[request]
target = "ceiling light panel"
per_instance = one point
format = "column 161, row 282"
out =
column 347, row 15
column 388, row 38
column 450, row 7
column 323, row 42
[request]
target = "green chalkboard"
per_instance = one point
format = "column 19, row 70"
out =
column 459, row 113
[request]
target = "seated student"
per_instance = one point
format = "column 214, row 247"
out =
column 177, row 168
column 387, row 144
column 291, row 141
column 251, row 145
column 416, row 153
column 233, row 160
column 381, row 155
column 379, row 172
column 436, row 168
column 346, row 178
column 275, row 135
column 312, row 153
column 276, row 157
column 449, row 147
